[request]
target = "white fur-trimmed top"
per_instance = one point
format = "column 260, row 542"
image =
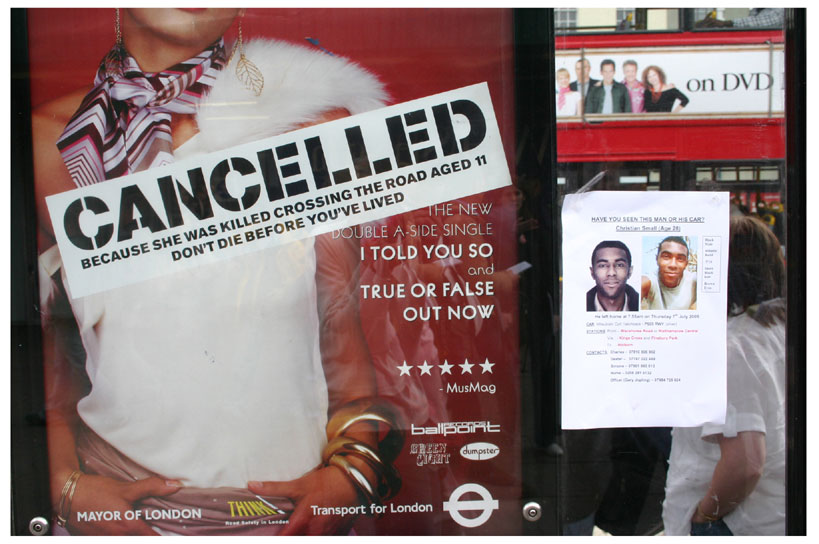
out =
column 300, row 84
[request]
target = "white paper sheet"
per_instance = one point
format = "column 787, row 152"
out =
column 644, row 366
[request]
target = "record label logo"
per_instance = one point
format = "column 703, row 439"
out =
column 479, row 451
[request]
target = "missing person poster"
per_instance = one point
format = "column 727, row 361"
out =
column 644, row 309
column 278, row 271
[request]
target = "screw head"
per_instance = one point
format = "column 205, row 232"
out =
column 38, row 526
column 532, row 511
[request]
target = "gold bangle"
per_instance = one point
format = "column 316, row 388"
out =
column 66, row 498
column 389, row 481
column 341, row 448
column 70, row 497
column 356, row 477
column 344, row 444
column 706, row 516
column 371, row 410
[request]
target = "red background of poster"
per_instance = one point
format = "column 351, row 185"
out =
column 416, row 52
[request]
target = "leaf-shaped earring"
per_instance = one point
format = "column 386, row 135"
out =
column 247, row 72
column 115, row 59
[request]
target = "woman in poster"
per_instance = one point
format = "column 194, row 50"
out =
column 730, row 478
column 198, row 403
column 659, row 95
column 568, row 101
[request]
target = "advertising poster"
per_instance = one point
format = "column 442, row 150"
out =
column 644, row 306
column 278, row 270
column 736, row 80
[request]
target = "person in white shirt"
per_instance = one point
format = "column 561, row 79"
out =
column 729, row 479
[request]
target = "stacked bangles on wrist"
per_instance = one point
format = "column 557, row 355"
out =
column 341, row 450
column 66, row 497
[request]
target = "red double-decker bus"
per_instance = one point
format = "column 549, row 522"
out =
column 726, row 126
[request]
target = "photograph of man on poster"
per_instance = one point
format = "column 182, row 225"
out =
column 671, row 286
column 610, row 269
column 583, row 70
column 608, row 96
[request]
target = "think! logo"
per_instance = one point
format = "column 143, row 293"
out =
column 248, row 509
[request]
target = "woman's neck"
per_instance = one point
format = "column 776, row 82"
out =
column 155, row 56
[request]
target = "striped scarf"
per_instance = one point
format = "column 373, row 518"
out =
column 124, row 124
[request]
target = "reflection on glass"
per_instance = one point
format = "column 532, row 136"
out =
column 730, row 478
column 733, row 18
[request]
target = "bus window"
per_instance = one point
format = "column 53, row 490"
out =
column 740, row 18
column 606, row 20
column 602, row 20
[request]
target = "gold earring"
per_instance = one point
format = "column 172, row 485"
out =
column 247, row 72
column 115, row 58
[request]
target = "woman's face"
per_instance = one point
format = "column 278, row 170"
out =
column 562, row 79
column 653, row 78
column 195, row 27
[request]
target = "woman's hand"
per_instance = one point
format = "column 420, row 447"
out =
column 698, row 516
column 741, row 463
column 97, row 494
column 325, row 487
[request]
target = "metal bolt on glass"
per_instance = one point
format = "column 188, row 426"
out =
column 38, row 526
column 532, row 511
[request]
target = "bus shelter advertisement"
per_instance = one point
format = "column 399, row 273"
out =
column 278, row 286
column 644, row 306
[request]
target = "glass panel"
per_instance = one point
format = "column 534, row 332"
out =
column 768, row 173
column 565, row 18
column 727, row 174
column 639, row 480
column 746, row 173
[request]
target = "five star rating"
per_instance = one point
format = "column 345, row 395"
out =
column 446, row 368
